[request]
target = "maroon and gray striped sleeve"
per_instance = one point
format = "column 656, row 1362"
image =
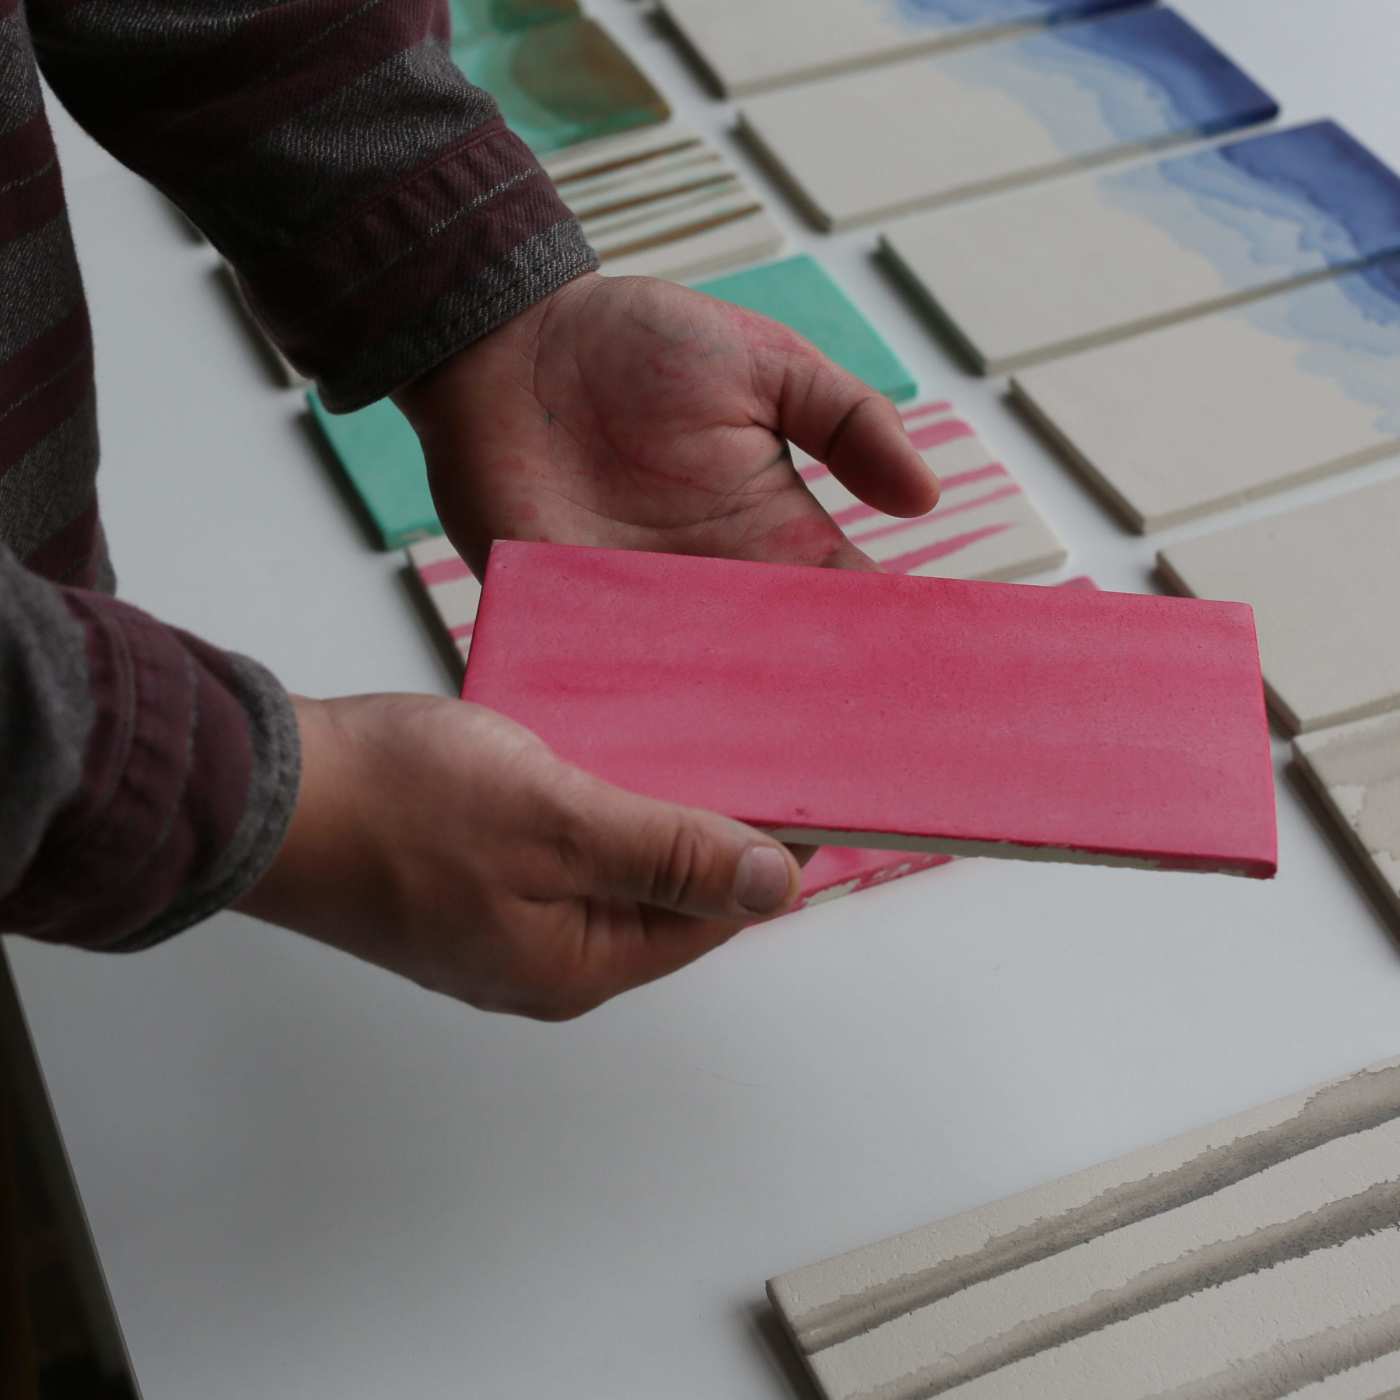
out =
column 375, row 206
column 380, row 217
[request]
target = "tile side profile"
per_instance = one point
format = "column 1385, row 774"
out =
column 1030, row 722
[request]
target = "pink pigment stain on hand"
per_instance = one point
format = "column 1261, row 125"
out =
column 930, row 710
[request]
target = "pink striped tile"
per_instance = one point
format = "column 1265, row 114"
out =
column 973, row 534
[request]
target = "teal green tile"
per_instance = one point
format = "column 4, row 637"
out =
column 800, row 293
column 384, row 463
column 477, row 19
column 561, row 83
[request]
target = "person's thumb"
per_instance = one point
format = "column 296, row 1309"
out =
column 692, row 862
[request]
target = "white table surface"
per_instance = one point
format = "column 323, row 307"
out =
column 306, row 1178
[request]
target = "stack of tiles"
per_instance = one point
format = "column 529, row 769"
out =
column 1355, row 770
column 1324, row 581
column 931, row 715
column 1256, row 1258
column 1022, row 108
column 1296, row 386
column 984, row 527
column 748, row 45
column 663, row 203
column 1039, row 272
column 800, row 293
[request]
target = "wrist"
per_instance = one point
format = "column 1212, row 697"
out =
column 425, row 401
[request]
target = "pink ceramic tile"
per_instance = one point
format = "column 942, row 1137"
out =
column 984, row 527
column 939, row 715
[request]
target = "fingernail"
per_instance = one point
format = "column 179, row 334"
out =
column 762, row 881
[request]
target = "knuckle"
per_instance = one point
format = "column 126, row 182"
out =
column 684, row 866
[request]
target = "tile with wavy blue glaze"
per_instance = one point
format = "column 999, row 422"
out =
column 1251, row 1260
column 999, row 114
column 1033, row 273
column 1270, row 394
column 748, row 45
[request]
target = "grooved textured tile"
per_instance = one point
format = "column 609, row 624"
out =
column 868, row 709
column 1355, row 769
column 1038, row 272
column 1256, row 1258
column 1324, row 581
column 984, row 526
column 663, row 203
column 1295, row 386
column 1024, row 107
column 747, row 45
column 383, row 462
column 800, row 293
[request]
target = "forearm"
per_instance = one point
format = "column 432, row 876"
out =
column 377, row 211
column 146, row 778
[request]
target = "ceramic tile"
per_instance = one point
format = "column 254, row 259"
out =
column 1062, row 266
column 383, row 463
column 800, row 293
column 664, row 203
column 748, row 45
column 1355, row 769
column 914, row 713
column 1256, row 1257
column 559, row 83
column 984, row 526
column 450, row 586
column 1296, row 386
column 1025, row 108
column 1324, row 582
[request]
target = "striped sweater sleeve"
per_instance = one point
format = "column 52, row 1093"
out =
column 379, row 213
column 150, row 776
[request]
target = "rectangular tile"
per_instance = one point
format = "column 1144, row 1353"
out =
column 384, row 465
column 1355, row 769
column 1027, row 275
column 801, row 294
column 853, row 148
column 1237, row 404
column 1253, row 1258
column 560, row 82
column 1324, row 581
column 868, row 709
column 450, row 588
column 664, row 203
column 748, row 45
column 984, row 526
